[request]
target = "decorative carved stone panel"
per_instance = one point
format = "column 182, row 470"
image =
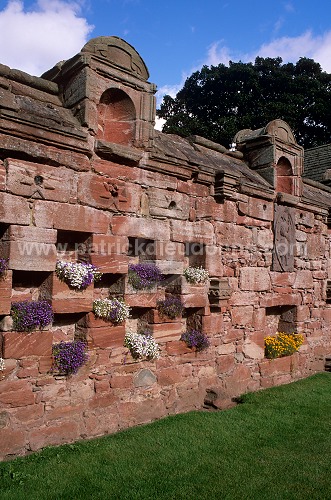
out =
column 219, row 290
column 284, row 239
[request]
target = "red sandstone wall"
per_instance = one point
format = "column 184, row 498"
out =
column 112, row 391
column 59, row 199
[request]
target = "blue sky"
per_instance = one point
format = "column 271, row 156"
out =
column 173, row 37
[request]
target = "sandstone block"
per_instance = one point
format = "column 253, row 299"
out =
column 169, row 250
column 214, row 263
column 166, row 332
column 34, row 180
column 212, row 324
column 271, row 300
column 19, row 345
column 64, row 432
column 77, row 217
column 140, row 227
column 303, row 279
column 109, row 193
column 271, row 367
column 253, row 351
column 5, row 292
column 199, row 232
column 169, row 204
column 191, row 188
column 177, row 347
column 31, row 255
column 11, row 442
column 243, row 299
column 238, row 382
column 144, row 299
column 254, row 208
column 144, row 378
column 255, row 279
column 230, row 235
column 117, row 264
column 194, row 300
column 242, row 315
column 14, row 210
column 107, row 336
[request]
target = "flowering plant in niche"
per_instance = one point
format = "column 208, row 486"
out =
column 3, row 266
column 283, row 344
column 28, row 316
column 195, row 339
column 196, row 275
column 114, row 310
column 144, row 275
column 77, row 275
column 142, row 346
column 171, row 307
column 68, row 357
column 2, row 364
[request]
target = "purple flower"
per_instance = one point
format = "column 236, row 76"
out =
column 28, row 316
column 195, row 339
column 68, row 357
column 144, row 275
column 171, row 307
column 3, row 266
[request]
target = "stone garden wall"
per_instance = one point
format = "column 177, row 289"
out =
column 84, row 177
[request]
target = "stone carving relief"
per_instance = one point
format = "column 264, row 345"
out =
column 284, row 239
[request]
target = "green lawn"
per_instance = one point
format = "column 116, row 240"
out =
column 275, row 445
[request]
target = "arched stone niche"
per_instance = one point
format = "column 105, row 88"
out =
column 116, row 117
column 275, row 154
column 284, row 176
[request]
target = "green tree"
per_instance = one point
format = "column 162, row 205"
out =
column 218, row 101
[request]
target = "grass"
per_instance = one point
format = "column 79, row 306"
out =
column 276, row 445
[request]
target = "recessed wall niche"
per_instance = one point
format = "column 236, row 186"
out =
column 72, row 245
column 109, row 285
column 193, row 316
column 29, row 285
column 141, row 248
column 139, row 320
column 64, row 327
column 195, row 254
column 281, row 319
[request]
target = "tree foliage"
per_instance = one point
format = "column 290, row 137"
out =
column 218, row 101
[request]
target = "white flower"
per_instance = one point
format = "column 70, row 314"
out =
column 142, row 346
column 77, row 275
column 196, row 275
column 2, row 364
column 114, row 310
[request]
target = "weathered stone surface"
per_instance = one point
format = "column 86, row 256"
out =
column 107, row 336
column 14, row 210
column 140, row 227
column 199, row 232
column 37, row 181
column 109, row 193
column 144, row 378
column 77, row 217
column 255, row 279
column 19, row 345
column 242, row 315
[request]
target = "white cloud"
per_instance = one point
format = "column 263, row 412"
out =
column 290, row 49
column 35, row 40
column 169, row 90
column 159, row 122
